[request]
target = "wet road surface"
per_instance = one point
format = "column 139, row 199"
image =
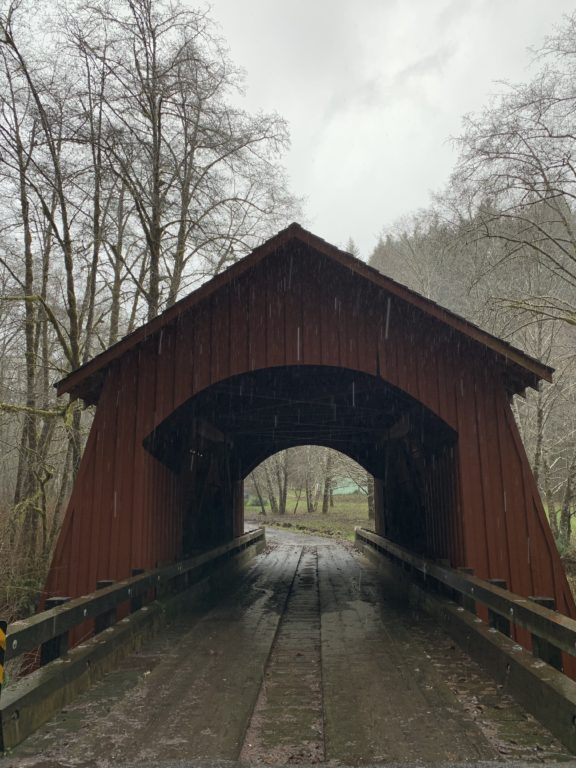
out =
column 307, row 658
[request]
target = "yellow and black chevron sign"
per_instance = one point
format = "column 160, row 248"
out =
column 3, row 628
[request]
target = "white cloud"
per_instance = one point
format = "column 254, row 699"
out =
column 373, row 90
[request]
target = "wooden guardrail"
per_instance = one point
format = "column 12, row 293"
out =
column 552, row 630
column 122, row 615
column 49, row 629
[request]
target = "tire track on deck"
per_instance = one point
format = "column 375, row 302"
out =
column 288, row 724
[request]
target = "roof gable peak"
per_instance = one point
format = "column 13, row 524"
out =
column 527, row 370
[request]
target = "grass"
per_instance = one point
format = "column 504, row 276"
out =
column 339, row 523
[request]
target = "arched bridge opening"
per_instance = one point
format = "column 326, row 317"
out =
column 215, row 439
column 312, row 488
column 297, row 343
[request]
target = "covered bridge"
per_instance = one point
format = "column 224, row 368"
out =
column 301, row 343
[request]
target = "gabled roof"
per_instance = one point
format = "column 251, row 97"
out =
column 86, row 381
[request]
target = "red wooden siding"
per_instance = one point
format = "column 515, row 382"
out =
column 298, row 307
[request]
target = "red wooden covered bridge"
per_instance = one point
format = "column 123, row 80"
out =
column 301, row 343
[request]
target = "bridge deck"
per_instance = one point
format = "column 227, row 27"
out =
column 307, row 659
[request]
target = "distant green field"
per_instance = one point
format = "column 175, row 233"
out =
column 348, row 511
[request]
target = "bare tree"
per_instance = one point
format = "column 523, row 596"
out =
column 516, row 170
column 202, row 175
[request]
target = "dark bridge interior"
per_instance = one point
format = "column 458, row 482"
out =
column 219, row 436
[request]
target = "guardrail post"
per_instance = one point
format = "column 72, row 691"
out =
column 495, row 620
column 107, row 618
column 543, row 649
column 439, row 587
column 53, row 649
column 166, row 588
column 137, row 601
column 181, row 582
column 3, row 630
column 468, row 603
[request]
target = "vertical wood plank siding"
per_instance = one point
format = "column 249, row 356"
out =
column 298, row 307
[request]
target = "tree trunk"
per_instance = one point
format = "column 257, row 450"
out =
column 309, row 496
column 537, row 461
column 282, row 478
column 550, row 503
column 270, row 490
column 27, row 469
column 370, row 486
column 297, row 501
column 117, row 252
column 260, row 497
column 566, row 509
column 327, row 482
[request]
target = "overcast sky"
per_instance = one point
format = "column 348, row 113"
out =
column 373, row 90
